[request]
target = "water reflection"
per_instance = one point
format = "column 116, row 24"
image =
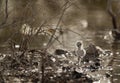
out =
column 115, row 61
column 92, row 23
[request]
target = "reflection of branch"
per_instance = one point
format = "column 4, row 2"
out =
column 6, row 13
column 114, row 22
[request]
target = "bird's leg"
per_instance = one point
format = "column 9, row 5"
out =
column 79, row 61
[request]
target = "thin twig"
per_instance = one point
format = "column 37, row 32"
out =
column 50, row 40
column 56, row 38
column 40, row 28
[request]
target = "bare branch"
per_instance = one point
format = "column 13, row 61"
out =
column 113, row 15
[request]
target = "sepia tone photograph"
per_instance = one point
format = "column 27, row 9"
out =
column 59, row 41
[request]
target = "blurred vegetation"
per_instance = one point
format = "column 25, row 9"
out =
column 34, row 12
